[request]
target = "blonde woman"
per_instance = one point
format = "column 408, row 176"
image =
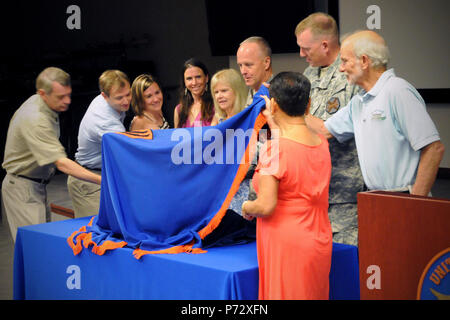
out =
column 147, row 100
column 229, row 93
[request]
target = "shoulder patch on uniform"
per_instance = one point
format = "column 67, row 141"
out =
column 333, row 105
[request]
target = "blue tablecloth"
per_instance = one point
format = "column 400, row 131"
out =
column 45, row 268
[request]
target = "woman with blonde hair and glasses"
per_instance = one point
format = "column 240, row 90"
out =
column 147, row 100
column 229, row 93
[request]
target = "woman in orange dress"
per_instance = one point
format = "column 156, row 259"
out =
column 294, row 238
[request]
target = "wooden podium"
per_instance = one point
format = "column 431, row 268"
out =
column 401, row 237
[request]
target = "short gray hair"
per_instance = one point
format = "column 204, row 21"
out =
column 377, row 51
column 263, row 44
column 45, row 79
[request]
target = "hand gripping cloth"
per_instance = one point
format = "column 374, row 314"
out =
column 163, row 191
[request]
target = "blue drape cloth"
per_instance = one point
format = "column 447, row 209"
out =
column 228, row 272
column 163, row 191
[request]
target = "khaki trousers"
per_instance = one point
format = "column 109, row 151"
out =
column 24, row 202
column 85, row 196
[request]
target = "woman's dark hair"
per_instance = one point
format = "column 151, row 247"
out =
column 186, row 99
column 291, row 91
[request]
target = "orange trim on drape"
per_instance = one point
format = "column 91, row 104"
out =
column 187, row 248
column 85, row 239
column 139, row 134
column 240, row 175
column 105, row 246
column 77, row 247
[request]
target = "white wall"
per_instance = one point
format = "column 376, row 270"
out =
column 417, row 34
column 280, row 62
column 416, row 31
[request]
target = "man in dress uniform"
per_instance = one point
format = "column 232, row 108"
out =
column 318, row 39
column 33, row 151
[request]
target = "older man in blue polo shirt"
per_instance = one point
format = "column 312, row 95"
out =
column 398, row 146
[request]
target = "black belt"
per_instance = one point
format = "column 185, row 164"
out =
column 97, row 169
column 40, row 181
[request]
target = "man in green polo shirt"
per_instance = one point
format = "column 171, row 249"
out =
column 33, row 151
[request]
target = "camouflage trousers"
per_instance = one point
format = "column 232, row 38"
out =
column 344, row 222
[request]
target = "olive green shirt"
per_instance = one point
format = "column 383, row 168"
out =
column 32, row 143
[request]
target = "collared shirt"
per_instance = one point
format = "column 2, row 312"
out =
column 330, row 91
column 390, row 125
column 99, row 119
column 251, row 92
column 32, row 145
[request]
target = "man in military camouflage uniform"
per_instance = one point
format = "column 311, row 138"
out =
column 317, row 37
